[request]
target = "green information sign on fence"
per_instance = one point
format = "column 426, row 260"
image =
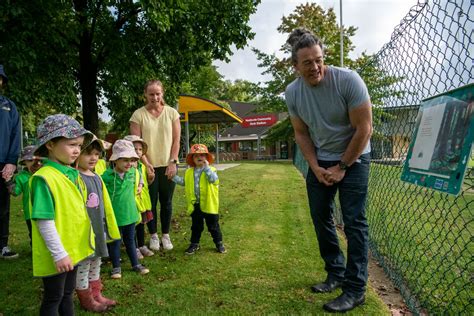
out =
column 440, row 149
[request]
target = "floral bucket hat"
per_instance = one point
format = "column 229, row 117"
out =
column 28, row 153
column 135, row 138
column 59, row 125
column 123, row 149
column 198, row 149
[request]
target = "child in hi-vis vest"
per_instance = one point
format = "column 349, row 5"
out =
column 21, row 184
column 61, row 230
column 121, row 183
column 202, row 196
column 143, row 199
column 101, row 214
column 101, row 164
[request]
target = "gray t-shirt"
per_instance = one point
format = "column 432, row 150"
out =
column 324, row 108
column 95, row 209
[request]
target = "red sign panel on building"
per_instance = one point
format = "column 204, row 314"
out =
column 259, row 120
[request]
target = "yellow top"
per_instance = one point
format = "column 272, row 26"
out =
column 157, row 132
column 143, row 199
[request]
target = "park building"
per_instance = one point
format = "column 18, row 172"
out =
column 246, row 140
column 395, row 132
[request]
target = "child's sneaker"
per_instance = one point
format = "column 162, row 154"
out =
column 139, row 254
column 116, row 273
column 154, row 243
column 220, row 247
column 192, row 249
column 166, row 241
column 8, row 254
column 141, row 269
column 146, row 252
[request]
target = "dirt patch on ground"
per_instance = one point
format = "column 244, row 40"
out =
column 386, row 290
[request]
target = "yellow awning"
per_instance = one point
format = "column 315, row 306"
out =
column 198, row 110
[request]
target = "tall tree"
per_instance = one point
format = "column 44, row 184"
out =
column 105, row 50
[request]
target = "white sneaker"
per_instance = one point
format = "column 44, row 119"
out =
column 139, row 254
column 154, row 243
column 166, row 241
column 146, row 252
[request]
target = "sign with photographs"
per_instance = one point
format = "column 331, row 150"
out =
column 440, row 149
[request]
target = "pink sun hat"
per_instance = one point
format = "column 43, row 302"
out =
column 123, row 149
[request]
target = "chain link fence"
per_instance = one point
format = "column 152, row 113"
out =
column 423, row 239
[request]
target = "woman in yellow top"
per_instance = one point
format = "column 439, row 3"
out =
column 158, row 125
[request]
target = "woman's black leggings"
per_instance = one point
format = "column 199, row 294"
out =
column 161, row 189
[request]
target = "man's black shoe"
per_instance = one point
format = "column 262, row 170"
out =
column 344, row 303
column 326, row 287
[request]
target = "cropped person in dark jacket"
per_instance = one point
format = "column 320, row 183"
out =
column 9, row 151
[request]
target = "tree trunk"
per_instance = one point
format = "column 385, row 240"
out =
column 87, row 70
column 88, row 86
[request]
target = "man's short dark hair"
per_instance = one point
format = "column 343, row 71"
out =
column 302, row 38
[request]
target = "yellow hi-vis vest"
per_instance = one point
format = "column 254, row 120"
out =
column 100, row 167
column 208, row 192
column 71, row 221
column 113, row 232
column 143, row 199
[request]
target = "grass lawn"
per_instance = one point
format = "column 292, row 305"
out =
column 425, row 237
column 272, row 257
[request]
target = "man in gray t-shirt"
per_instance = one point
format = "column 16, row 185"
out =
column 331, row 114
column 324, row 109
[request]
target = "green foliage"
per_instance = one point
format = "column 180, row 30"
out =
column 203, row 82
column 203, row 134
column 380, row 84
column 324, row 24
column 105, row 51
column 104, row 128
column 206, row 82
column 239, row 90
column 280, row 131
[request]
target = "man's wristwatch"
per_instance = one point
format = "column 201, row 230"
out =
column 343, row 166
column 173, row 161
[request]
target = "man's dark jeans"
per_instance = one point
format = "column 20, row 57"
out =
column 352, row 197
